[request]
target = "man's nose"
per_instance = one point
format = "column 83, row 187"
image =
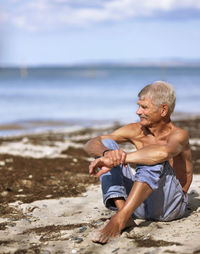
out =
column 139, row 111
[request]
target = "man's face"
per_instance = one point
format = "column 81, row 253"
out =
column 149, row 114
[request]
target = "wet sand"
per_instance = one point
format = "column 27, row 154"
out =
column 49, row 204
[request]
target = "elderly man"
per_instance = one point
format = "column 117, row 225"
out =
column 158, row 190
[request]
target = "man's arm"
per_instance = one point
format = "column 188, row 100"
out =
column 95, row 147
column 153, row 154
column 148, row 155
column 189, row 168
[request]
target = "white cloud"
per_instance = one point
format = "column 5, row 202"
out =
column 48, row 14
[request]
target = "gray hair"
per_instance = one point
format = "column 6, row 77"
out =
column 160, row 92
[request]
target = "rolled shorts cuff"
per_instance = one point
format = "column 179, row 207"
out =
column 114, row 192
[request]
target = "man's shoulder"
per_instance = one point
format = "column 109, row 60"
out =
column 182, row 133
column 132, row 129
column 133, row 126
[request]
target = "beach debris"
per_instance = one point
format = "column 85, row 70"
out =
column 74, row 251
column 2, row 163
column 115, row 250
column 26, row 183
column 9, row 160
column 30, row 209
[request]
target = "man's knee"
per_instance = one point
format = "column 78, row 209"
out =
column 150, row 174
column 110, row 144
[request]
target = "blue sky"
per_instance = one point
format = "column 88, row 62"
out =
column 38, row 32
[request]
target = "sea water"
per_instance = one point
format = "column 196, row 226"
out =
column 90, row 93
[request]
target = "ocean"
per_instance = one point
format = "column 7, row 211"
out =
column 51, row 97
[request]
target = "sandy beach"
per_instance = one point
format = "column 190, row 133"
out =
column 49, row 204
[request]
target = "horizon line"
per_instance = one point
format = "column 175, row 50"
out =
column 173, row 62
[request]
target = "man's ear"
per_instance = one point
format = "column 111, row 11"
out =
column 164, row 110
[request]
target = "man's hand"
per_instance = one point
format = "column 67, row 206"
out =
column 105, row 163
column 116, row 156
column 100, row 166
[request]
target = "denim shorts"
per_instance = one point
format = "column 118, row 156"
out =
column 167, row 200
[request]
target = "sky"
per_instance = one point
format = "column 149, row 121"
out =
column 57, row 32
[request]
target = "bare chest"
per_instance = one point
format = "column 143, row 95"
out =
column 143, row 141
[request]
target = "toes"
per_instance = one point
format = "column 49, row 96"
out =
column 99, row 237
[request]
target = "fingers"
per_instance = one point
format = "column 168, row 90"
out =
column 105, row 163
column 93, row 167
column 117, row 156
column 100, row 166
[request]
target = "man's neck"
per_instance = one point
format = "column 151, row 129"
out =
column 160, row 127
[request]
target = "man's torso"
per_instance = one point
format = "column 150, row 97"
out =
column 179, row 163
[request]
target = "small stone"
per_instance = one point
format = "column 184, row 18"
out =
column 194, row 193
column 30, row 176
column 75, row 160
column 115, row 250
column 4, row 193
column 99, row 222
column 2, row 163
column 11, row 219
column 45, row 252
column 82, row 229
column 48, row 196
column 26, row 183
column 27, row 220
column 25, row 140
column 77, row 239
column 74, row 251
column 20, row 190
column 11, row 224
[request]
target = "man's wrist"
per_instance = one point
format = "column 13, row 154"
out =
column 107, row 150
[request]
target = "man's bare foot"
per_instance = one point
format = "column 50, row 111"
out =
column 129, row 223
column 112, row 229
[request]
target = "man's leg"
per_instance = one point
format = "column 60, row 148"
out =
column 139, row 192
column 168, row 202
column 117, row 183
column 145, row 180
column 116, row 186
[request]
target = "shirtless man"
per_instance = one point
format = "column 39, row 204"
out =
column 158, row 190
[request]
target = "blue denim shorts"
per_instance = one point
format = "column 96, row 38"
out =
column 167, row 200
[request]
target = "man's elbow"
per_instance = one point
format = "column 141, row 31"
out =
column 86, row 147
column 165, row 154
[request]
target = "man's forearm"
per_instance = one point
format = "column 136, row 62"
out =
column 95, row 147
column 149, row 155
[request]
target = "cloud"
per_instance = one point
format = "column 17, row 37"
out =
column 52, row 14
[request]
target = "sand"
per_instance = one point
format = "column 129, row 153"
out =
column 49, row 204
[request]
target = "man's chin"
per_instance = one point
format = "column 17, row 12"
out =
column 144, row 121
